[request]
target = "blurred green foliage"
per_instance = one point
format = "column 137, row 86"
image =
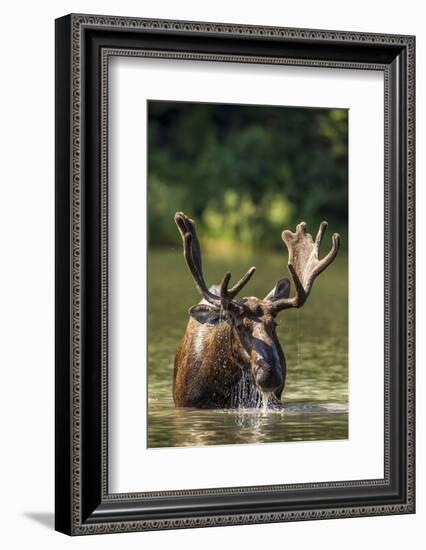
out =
column 245, row 172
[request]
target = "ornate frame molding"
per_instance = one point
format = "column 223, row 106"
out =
column 73, row 504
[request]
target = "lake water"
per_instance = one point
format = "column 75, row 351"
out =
column 314, row 339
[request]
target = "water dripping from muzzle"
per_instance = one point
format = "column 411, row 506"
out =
column 246, row 395
column 265, row 399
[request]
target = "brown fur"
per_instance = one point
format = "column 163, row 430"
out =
column 230, row 354
column 203, row 379
column 210, row 358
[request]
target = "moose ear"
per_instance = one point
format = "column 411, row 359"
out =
column 281, row 290
column 204, row 313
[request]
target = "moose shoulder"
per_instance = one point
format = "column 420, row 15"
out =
column 230, row 355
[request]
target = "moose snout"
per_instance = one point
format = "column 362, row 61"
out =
column 267, row 377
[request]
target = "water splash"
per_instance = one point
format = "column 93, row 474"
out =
column 246, row 395
column 265, row 399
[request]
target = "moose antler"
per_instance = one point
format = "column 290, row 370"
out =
column 192, row 254
column 303, row 262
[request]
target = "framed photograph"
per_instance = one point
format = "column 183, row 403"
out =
column 234, row 274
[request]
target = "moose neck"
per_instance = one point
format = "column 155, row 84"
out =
column 228, row 368
column 206, row 368
column 218, row 347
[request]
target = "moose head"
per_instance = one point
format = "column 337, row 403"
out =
column 230, row 354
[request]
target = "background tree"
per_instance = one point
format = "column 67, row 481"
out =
column 245, row 171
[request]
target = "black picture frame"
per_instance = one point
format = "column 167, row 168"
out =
column 83, row 45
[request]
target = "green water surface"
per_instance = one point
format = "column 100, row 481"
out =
column 314, row 339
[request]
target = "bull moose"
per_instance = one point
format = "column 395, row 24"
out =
column 230, row 356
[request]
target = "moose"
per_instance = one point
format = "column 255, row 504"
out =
column 230, row 356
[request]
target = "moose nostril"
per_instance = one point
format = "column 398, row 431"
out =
column 267, row 378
